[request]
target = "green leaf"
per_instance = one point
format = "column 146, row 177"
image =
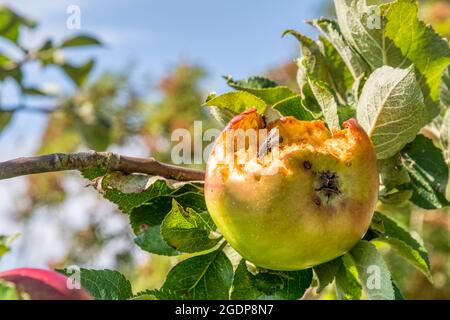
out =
column 392, row 172
column 147, row 218
column 347, row 284
column 188, row 230
column 330, row 30
column 326, row 273
column 222, row 115
column 325, row 97
column 78, row 74
column 261, row 88
column 391, row 109
column 255, row 82
column 312, row 57
column 11, row 24
column 423, row 47
column 79, row 41
column 373, row 272
column 153, row 294
column 205, row 277
column 46, row 53
column 428, row 172
column 341, row 78
column 8, row 291
column 130, row 191
column 410, row 254
column 96, row 130
column 363, row 27
column 293, row 106
column 5, row 118
column 5, row 243
column 103, row 284
column 391, row 229
column 269, row 284
column 397, row 293
column 237, row 102
column 345, row 112
column 150, row 240
column 147, row 200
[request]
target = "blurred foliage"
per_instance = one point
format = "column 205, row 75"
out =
column 437, row 13
column 101, row 112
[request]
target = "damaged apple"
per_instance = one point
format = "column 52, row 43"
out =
column 301, row 201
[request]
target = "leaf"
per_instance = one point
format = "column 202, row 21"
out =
column 188, row 230
column 147, row 218
column 428, row 172
column 327, row 102
column 392, row 172
column 261, row 88
column 79, row 41
column 345, row 112
column 129, row 191
column 11, row 24
column 312, row 57
column 423, row 47
column 330, row 30
column 150, row 240
column 397, row 293
column 373, row 272
column 205, row 277
column 78, row 74
column 293, row 106
column 222, row 116
column 255, row 82
column 269, row 284
column 5, row 118
column 347, row 284
column 8, row 291
column 237, row 102
column 96, row 130
column 393, row 230
column 326, row 273
column 341, row 78
column 410, row 254
column 5, row 243
column 103, row 284
column 46, row 53
column 153, row 294
column 363, row 27
column 391, row 109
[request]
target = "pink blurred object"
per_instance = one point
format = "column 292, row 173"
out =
column 42, row 284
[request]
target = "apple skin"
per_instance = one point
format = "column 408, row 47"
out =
column 42, row 284
column 281, row 221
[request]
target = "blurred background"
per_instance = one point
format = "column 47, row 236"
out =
column 144, row 70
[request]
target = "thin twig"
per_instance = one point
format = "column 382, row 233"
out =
column 107, row 161
column 26, row 108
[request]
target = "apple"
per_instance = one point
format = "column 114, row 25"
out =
column 42, row 284
column 306, row 204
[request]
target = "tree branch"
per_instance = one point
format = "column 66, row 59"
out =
column 107, row 161
column 26, row 108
